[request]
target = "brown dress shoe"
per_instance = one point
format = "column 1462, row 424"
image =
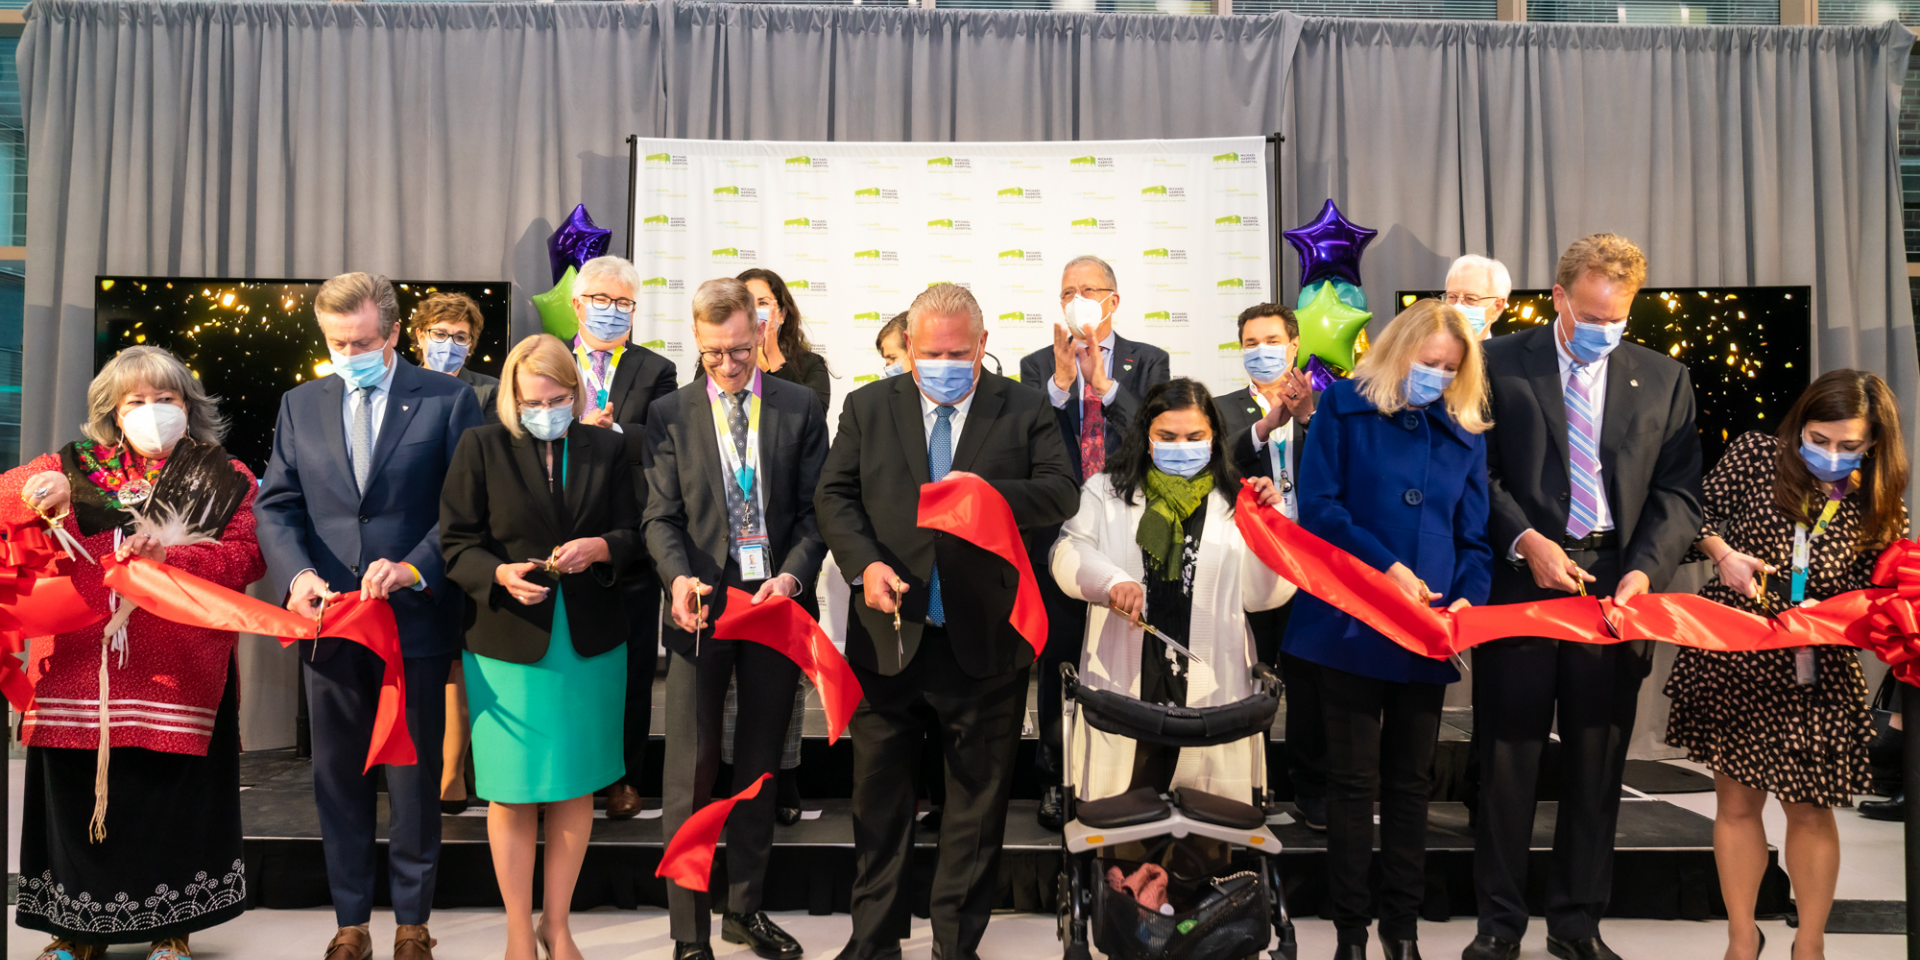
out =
column 623, row 802
column 410, row 942
column 350, row 943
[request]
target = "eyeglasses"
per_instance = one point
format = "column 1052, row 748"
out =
column 1465, row 300
column 603, row 301
column 553, row 404
column 441, row 336
column 739, row 354
column 1066, row 295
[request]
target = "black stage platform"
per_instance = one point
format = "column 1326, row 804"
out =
column 1664, row 868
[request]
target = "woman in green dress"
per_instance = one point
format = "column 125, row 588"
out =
column 534, row 502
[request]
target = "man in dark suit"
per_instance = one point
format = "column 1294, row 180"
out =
column 1095, row 379
column 735, row 459
column 622, row 380
column 351, row 501
column 1266, row 428
column 1593, row 467
column 954, row 653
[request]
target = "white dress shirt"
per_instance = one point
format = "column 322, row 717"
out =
column 1594, row 376
column 1059, row 396
column 1278, row 454
column 350, row 404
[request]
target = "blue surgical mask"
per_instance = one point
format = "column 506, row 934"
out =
column 446, row 357
column 763, row 314
column 606, row 323
column 360, row 370
column 1476, row 317
column 1591, row 342
column 944, row 381
column 1425, row 384
column 892, row 370
column 1182, row 459
column 1265, row 363
column 1830, row 467
column 547, row 424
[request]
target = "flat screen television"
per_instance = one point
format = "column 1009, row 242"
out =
column 249, row 341
column 1749, row 349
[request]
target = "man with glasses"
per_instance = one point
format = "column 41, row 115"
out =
column 1095, row 379
column 1478, row 287
column 621, row 380
column 736, row 456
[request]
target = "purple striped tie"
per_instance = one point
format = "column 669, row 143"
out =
column 1583, row 455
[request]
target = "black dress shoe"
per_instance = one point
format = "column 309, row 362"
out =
column 1489, row 947
column 855, row 950
column 761, row 935
column 786, row 816
column 1892, row 810
column 1053, row 809
column 1400, row 949
column 931, row 822
column 454, row 808
column 1585, row 948
column 692, row 951
column 1350, row 951
column 1313, row 812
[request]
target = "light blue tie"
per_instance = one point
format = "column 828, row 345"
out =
column 939, row 461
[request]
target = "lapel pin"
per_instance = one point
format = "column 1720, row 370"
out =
column 1633, row 383
column 1126, row 366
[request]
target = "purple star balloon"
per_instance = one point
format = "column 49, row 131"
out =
column 576, row 242
column 1330, row 247
column 1320, row 376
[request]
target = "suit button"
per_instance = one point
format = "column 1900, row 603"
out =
column 1410, row 420
column 937, row 534
column 363, row 519
column 1563, row 498
column 1413, row 497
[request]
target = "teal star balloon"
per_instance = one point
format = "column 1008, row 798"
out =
column 556, row 308
column 1328, row 329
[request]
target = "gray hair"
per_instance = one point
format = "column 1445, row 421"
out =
column 348, row 293
column 1113, row 283
column 618, row 269
column 946, row 300
column 1502, row 281
column 151, row 367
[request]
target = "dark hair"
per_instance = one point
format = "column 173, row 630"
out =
column 1280, row 310
column 1128, row 469
column 793, row 341
column 1846, row 395
column 897, row 327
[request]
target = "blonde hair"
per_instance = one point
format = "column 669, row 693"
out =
column 348, row 292
column 1607, row 254
column 541, row 355
column 155, row 368
column 946, row 300
column 717, row 301
column 1382, row 373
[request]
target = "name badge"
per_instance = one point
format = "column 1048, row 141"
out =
column 753, row 558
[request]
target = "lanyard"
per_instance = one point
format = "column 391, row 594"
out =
column 746, row 473
column 598, row 386
column 1282, row 464
column 1802, row 547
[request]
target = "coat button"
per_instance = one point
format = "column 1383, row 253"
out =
column 1564, row 498
column 364, row 519
column 1410, row 420
column 1413, row 497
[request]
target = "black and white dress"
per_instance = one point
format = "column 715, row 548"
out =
column 1743, row 714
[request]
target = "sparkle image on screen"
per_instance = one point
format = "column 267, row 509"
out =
column 1748, row 349
column 249, row 341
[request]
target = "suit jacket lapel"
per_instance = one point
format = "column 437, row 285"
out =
column 910, row 426
column 526, row 456
column 1617, row 414
column 1126, row 363
column 629, row 368
column 706, row 449
column 333, row 393
column 403, row 401
column 987, row 400
column 771, row 419
column 1543, row 371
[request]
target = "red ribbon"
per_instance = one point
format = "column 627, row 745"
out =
column 688, row 859
column 35, row 601
column 970, row 508
column 1885, row 620
column 782, row 624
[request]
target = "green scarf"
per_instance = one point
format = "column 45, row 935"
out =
column 1170, row 501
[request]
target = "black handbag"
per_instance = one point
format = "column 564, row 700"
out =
column 1219, row 917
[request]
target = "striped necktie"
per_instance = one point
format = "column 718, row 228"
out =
column 1583, row 455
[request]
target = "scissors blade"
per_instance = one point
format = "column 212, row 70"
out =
column 1150, row 628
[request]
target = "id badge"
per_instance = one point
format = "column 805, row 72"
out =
column 753, row 558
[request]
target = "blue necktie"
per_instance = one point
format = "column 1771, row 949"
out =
column 939, row 461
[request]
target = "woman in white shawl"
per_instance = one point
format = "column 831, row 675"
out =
column 1156, row 540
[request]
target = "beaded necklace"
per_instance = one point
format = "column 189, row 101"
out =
column 121, row 473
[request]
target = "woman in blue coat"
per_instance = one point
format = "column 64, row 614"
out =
column 1395, row 473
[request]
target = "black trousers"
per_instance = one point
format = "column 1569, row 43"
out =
column 343, row 694
column 1521, row 685
column 1381, row 737
column 1066, row 635
column 1306, row 727
column 696, row 711
column 979, row 722
column 643, row 658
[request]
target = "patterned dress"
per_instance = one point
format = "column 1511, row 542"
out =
column 1743, row 714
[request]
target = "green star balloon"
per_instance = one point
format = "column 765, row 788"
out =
column 1328, row 329
column 556, row 308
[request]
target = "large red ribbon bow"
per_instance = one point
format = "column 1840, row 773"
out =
column 970, row 508
column 782, row 624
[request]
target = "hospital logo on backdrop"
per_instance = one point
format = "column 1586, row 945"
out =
column 804, row 163
column 1236, row 222
column 962, row 284
column 1163, row 255
column 1017, row 195
column 1091, row 225
column 1163, row 194
column 1237, row 285
column 948, row 164
column 798, row 288
column 1016, row 318
column 1090, row 164
column 1164, row 318
column 735, row 194
column 660, row 222
column 1224, row 159
column 804, row 225
column 662, row 285
column 871, row 319
column 1018, row 256
column 948, row 227
column 876, row 195
column 876, row 256
column 731, row 255
column 665, row 160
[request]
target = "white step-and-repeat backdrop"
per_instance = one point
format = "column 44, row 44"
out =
column 858, row 229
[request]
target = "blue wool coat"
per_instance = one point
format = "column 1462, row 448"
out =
column 1410, row 487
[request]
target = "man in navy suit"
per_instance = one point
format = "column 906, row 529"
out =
column 1095, row 379
column 351, row 501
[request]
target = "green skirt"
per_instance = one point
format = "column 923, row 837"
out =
column 551, row 730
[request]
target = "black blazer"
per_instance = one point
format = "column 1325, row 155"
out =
column 1137, row 368
column 869, row 502
column 641, row 378
column 686, row 520
column 1649, row 455
column 484, row 390
column 495, row 509
column 809, row 370
column 1238, row 413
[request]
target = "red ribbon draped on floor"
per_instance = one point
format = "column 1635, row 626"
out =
column 1883, row 619
column 782, row 624
column 970, row 508
column 36, row 602
column 688, row 859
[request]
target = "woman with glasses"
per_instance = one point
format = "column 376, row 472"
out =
column 445, row 328
column 536, row 502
